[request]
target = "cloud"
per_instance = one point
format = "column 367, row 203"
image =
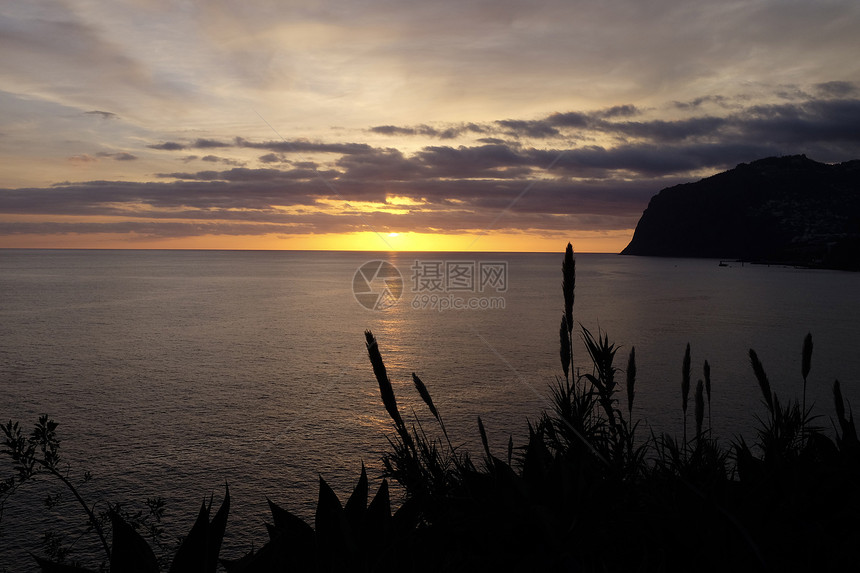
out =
column 518, row 127
column 168, row 146
column 837, row 89
column 224, row 160
column 103, row 114
column 445, row 132
column 82, row 158
column 209, row 144
column 271, row 158
column 305, row 146
column 118, row 156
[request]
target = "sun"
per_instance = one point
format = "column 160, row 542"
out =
column 393, row 234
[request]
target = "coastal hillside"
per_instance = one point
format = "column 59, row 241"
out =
column 781, row 209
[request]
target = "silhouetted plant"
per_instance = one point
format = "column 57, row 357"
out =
column 805, row 365
column 685, row 389
column 706, row 368
column 568, row 285
column 564, row 352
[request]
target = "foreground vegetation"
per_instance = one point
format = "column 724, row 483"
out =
column 590, row 491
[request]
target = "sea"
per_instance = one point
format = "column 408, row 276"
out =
column 179, row 373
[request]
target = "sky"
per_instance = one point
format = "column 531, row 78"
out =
column 502, row 125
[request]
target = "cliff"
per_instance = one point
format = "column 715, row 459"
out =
column 781, row 209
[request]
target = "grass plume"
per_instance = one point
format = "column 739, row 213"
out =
column 761, row 377
column 568, row 283
column 707, row 371
column 425, row 395
column 631, row 380
column 385, row 388
column 685, row 388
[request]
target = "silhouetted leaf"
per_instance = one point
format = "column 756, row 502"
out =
column 334, row 540
column 357, row 502
column 290, row 524
column 200, row 548
column 190, row 554
column 215, row 534
column 378, row 516
column 130, row 552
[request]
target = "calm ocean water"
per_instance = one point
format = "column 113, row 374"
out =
column 173, row 372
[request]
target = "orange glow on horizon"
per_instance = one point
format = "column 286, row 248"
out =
column 583, row 241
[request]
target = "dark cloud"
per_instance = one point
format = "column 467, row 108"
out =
column 700, row 101
column 168, row 146
column 393, row 130
column 305, row 146
column 224, row 160
column 102, row 114
column 305, row 164
column 837, row 89
column 537, row 129
column 271, row 158
column 449, row 132
column 381, row 165
column 617, row 111
column 120, row 156
column 800, row 126
column 245, row 174
column 667, row 131
column 468, row 162
column 209, row 144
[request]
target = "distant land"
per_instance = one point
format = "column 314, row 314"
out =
column 788, row 210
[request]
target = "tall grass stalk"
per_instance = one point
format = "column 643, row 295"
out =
column 564, row 339
column 631, row 381
column 707, row 372
column 806, row 364
column 685, row 388
column 425, row 395
column 700, row 408
column 568, row 283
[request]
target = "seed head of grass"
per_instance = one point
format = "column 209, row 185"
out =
column 568, row 272
column 685, row 378
column 761, row 377
column 385, row 389
column 425, row 395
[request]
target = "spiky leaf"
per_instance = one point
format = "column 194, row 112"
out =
column 130, row 552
